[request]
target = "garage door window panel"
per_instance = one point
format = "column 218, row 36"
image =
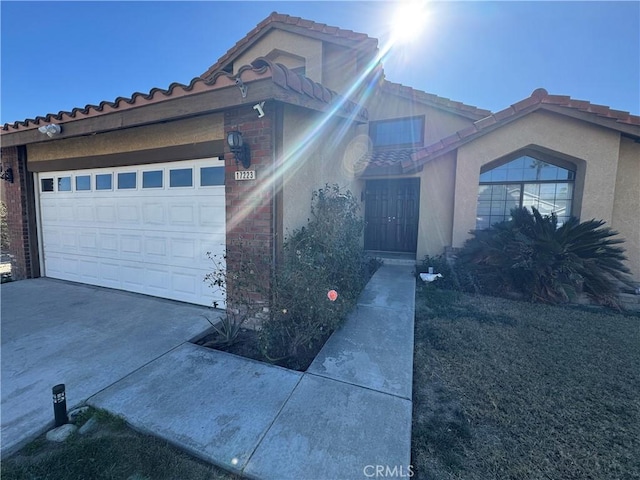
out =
column 64, row 184
column 181, row 177
column 126, row 180
column 46, row 184
column 211, row 176
column 83, row 183
column 104, row 181
column 152, row 179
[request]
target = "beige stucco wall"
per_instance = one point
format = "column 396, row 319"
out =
column 438, row 123
column 308, row 48
column 594, row 149
column 437, row 187
column 312, row 159
column 179, row 132
column 340, row 69
column 595, row 146
column 626, row 205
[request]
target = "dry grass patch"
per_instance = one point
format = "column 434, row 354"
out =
column 506, row 389
column 112, row 451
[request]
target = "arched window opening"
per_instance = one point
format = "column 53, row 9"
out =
column 524, row 182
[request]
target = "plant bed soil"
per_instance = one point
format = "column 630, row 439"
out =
column 246, row 345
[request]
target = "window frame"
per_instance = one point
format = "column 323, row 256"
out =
column 47, row 179
column 521, row 184
column 158, row 187
column 190, row 168
column 200, row 169
column 111, row 186
column 126, row 175
column 75, row 183
column 374, row 134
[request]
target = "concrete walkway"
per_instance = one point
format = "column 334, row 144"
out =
column 349, row 413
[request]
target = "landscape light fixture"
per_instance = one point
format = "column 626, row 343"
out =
column 50, row 130
column 60, row 405
column 239, row 148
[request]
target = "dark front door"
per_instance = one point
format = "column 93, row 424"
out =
column 391, row 215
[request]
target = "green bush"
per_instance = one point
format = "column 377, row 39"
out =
column 325, row 255
column 454, row 275
column 531, row 255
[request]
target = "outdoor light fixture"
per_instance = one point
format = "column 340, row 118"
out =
column 60, row 405
column 50, row 130
column 6, row 174
column 239, row 149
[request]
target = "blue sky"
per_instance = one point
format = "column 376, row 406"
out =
column 60, row 55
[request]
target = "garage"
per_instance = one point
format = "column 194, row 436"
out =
column 142, row 228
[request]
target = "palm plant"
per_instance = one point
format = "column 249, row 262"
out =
column 530, row 254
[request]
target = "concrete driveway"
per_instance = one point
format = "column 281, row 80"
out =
column 85, row 337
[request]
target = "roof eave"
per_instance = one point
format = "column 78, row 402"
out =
column 505, row 117
column 171, row 109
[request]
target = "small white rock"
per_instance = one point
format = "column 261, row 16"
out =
column 90, row 425
column 61, row 433
column 76, row 412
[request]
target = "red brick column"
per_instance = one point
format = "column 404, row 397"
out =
column 14, row 196
column 249, row 203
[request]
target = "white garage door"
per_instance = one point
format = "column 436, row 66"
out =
column 145, row 229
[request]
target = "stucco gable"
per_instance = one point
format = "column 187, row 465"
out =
column 603, row 116
column 298, row 26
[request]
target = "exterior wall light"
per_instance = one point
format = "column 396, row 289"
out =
column 50, row 130
column 6, row 174
column 239, row 148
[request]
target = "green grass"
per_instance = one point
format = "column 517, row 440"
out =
column 513, row 390
column 112, row 451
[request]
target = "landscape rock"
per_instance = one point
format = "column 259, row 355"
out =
column 76, row 412
column 88, row 427
column 60, row 434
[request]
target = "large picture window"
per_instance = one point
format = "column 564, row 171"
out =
column 524, row 182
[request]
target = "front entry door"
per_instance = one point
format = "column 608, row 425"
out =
column 391, row 215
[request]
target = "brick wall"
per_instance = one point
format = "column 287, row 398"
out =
column 14, row 195
column 249, row 205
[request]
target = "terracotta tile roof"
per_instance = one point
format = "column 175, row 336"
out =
column 298, row 83
column 385, row 158
column 261, row 68
column 277, row 19
column 137, row 99
column 384, row 162
column 539, row 99
column 460, row 108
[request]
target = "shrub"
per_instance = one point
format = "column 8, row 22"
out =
column 531, row 255
column 240, row 291
column 324, row 255
column 4, row 228
column 454, row 275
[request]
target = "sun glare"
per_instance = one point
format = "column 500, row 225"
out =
column 408, row 21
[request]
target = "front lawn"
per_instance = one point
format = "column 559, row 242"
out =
column 111, row 451
column 514, row 390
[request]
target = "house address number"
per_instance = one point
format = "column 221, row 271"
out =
column 245, row 175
